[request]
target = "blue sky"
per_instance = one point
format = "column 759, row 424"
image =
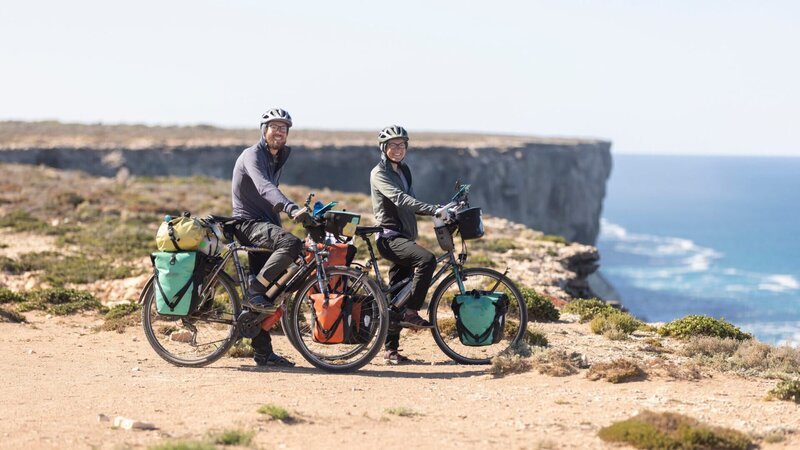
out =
column 711, row 77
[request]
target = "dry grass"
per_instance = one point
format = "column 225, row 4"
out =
column 558, row 363
column 748, row 357
column 668, row 369
column 617, row 371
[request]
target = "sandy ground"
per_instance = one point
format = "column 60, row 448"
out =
column 59, row 375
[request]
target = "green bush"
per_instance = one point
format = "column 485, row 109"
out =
column 698, row 325
column 786, row 390
column 241, row 349
column 275, row 412
column 615, row 325
column 58, row 269
column 60, row 301
column 587, row 309
column 540, row 308
column 532, row 336
column 9, row 296
column 500, row 245
column 671, row 431
column 121, row 317
column 234, row 437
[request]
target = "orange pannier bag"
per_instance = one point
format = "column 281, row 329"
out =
column 338, row 255
column 333, row 320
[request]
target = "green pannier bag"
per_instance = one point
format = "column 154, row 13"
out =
column 480, row 317
column 178, row 276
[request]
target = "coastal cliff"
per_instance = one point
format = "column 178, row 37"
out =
column 553, row 185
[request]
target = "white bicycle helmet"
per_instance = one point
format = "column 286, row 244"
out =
column 276, row 114
column 391, row 132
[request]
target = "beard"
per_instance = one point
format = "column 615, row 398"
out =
column 275, row 144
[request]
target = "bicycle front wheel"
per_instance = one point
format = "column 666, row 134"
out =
column 203, row 336
column 365, row 340
column 442, row 317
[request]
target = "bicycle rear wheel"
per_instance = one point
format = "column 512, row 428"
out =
column 203, row 336
column 345, row 356
column 442, row 317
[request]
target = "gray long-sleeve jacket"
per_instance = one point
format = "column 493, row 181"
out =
column 394, row 206
column 254, row 188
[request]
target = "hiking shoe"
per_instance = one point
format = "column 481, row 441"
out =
column 394, row 357
column 412, row 319
column 261, row 304
column 272, row 359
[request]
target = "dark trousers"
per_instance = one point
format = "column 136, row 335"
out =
column 407, row 258
column 285, row 247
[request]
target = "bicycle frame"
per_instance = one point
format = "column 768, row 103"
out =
column 234, row 248
column 450, row 262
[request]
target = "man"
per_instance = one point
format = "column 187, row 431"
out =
column 395, row 206
column 255, row 193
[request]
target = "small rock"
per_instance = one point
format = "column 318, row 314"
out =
column 135, row 339
column 30, row 351
column 49, row 316
column 130, row 424
column 103, row 418
column 181, row 336
column 135, row 369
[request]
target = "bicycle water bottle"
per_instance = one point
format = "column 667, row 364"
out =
column 400, row 298
column 277, row 287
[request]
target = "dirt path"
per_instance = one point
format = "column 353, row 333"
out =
column 58, row 375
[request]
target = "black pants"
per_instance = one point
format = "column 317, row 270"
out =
column 407, row 258
column 285, row 247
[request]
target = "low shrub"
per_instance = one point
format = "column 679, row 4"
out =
column 788, row 390
column 509, row 363
column 60, row 301
column 275, row 412
column 23, row 221
column 748, row 357
column 540, row 308
column 233, row 437
column 558, row 363
column 615, row 325
column 500, row 245
column 401, row 411
column 9, row 296
column 241, row 349
column 58, row 269
column 587, row 309
column 120, row 317
column 532, row 336
column 709, row 346
column 699, row 325
column 183, row 445
column 617, row 371
column 670, row 431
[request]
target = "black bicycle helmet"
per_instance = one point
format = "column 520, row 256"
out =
column 391, row 132
column 276, row 114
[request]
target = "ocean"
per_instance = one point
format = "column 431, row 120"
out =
column 710, row 235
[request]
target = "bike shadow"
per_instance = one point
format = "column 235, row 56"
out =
column 387, row 372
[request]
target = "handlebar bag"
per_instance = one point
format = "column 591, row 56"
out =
column 178, row 276
column 470, row 224
column 480, row 317
column 333, row 319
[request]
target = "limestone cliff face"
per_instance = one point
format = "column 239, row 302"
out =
column 557, row 188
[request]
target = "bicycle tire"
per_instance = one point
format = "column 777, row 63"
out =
column 441, row 315
column 345, row 357
column 216, row 315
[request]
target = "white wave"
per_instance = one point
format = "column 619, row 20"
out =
column 680, row 265
column 779, row 333
column 779, row 283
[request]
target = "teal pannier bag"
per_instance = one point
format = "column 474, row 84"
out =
column 177, row 278
column 480, row 317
